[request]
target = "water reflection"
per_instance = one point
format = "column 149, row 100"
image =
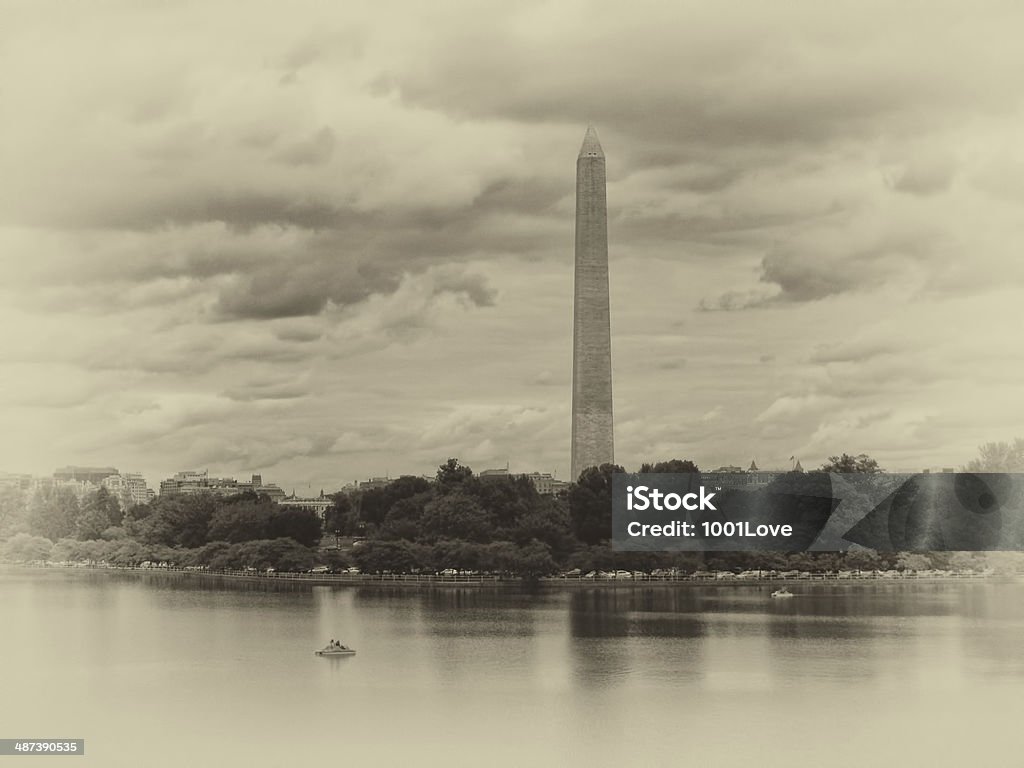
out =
column 601, row 675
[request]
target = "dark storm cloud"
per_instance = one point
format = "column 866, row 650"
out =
column 298, row 288
column 799, row 273
column 678, row 90
column 295, row 288
column 282, row 256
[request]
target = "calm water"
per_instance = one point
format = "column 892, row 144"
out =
column 157, row 670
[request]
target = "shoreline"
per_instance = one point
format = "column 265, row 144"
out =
column 430, row 581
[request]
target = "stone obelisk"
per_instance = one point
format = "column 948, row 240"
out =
column 591, row 331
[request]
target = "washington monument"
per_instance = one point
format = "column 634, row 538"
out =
column 592, row 443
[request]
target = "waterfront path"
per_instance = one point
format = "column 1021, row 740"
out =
column 473, row 579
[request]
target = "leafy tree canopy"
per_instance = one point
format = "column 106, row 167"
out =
column 847, row 464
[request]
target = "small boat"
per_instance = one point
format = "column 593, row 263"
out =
column 336, row 649
column 782, row 593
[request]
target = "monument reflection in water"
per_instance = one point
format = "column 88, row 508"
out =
column 164, row 670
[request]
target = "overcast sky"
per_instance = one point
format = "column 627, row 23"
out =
column 325, row 241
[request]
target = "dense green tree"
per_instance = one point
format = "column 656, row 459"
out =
column 99, row 511
column 676, row 466
column 13, row 512
column 455, row 553
column 24, row 547
column 506, row 498
column 244, row 520
column 283, row 554
column 999, row 457
column 548, row 524
column 114, row 533
column 457, row 516
column 390, row 556
column 178, row 521
column 340, row 518
column 53, row 512
column 913, row 561
column 590, row 504
column 404, row 519
column 451, row 474
column 375, row 504
column 209, row 554
column 129, row 552
column 337, row 560
column 300, row 525
column 847, row 464
column 534, row 560
column 500, row 557
column 862, row 559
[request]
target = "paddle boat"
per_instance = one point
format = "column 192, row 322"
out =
column 334, row 648
column 782, row 593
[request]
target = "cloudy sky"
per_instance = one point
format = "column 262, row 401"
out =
column 325, row 241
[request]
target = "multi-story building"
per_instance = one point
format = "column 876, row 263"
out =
column 16, row 482
column 189, row 482
column 129, row 488
column 319, row 504
column 94, row 475
column 736, row 478
column 493, row 474
column 546, row 484
column 374, row 482
column 275, row 492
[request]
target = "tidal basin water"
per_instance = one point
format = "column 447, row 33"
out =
column 159, row 670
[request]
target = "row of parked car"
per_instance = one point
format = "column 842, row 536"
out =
column 675, row 573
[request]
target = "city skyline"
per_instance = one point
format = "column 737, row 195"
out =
column 324, row 245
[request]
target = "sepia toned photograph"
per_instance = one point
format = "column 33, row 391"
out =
column 549, row 383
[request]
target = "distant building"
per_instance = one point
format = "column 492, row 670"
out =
column 319, row 504
column 735, row 478
column 275, row 492
column 189, row 482
column 373, row 483
column 546, row 484
column 94, row 475
column 494, row 474
column 16, row 482
column 130, row 489
column 81, row 488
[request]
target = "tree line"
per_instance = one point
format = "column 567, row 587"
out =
column 245, row 530
column 459, row 520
